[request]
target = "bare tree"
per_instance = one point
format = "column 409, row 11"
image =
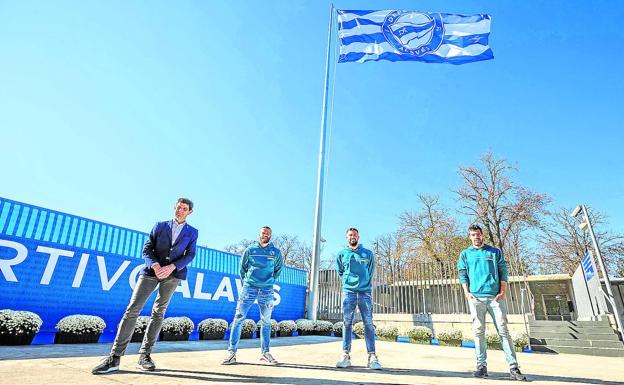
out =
column 301, row 258
column 505, row 209
column 520, row 255
column 295, row 252
column 431, row 232
column 239, row 247
column 392, row 253
column 288, row 244
column 563, row 243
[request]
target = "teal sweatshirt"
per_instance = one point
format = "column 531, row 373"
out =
column 483, row 269
column 355, row 268
column 260, row 266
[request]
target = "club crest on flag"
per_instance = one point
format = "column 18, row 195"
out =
column 414, row 33
column 397, row 35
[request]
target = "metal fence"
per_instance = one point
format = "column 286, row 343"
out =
column 418, row 288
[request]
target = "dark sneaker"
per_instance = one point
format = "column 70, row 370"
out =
column 345, row 361
column 109, row 364
column 230, row 359
column 145, row 363
column 267, row 359
column 516, row 374
column 480, row 372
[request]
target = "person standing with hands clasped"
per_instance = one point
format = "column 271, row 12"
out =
column 170, row 247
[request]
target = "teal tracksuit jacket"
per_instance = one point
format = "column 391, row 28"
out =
column 261, row 266
column 483, row 269
column 355, row 268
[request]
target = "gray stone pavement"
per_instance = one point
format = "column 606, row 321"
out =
column 304, row 360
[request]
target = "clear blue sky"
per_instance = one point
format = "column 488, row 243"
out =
column 111, row 110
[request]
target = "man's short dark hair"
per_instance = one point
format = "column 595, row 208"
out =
column 475, row 227
column 266, row 227
column 186, row 201
column 353, row 229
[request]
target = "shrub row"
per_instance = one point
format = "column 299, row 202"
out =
column 20, row 327
column 454, row 337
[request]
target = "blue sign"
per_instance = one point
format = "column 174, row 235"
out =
column 56, row 264
column 588, row 267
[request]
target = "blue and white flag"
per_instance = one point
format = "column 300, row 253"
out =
column 417, row 36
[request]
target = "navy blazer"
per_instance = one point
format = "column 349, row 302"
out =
column 158, row 248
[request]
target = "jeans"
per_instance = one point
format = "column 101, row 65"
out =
column 144, row 288
column 498, row 311
column 246, row 298
column 364, row 301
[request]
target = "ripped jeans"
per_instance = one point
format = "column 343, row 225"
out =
column 364, row 301
column 246, row 298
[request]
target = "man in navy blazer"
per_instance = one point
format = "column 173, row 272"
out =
column 164, row 257
column 168, row 250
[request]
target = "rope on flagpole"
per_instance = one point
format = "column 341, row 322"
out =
column 330, row 114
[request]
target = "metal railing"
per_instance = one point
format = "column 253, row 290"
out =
column 418, row 288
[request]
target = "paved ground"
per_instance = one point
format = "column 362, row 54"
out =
column 305, row 360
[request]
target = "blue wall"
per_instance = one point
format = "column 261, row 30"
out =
column 56, row 264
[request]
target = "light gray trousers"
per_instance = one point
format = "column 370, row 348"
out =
column 144, row 287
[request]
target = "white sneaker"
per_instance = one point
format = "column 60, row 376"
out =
column 230, row 359
column 373, row 362
column 267, row 359
column 345, row 361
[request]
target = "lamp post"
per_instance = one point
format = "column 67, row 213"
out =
column 587, row 223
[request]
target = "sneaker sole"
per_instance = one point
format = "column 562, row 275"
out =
column 228, row 363
column 269, row 363
column 144, row 369
column 113, row 369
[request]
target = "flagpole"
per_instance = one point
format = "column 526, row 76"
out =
column 316, row 247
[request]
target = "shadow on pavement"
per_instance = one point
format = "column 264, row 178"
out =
column 414, row 373
column 103, row 349
column 501, row 376
column 243, row 378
